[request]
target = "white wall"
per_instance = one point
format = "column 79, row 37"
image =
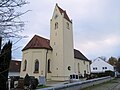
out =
column 83, row 66
column 31, row 55
column 98, row 64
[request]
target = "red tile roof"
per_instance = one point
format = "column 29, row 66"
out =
column 14, row 66
column 38, row 42
column 65, row 14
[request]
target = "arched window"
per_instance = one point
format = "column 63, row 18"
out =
column 67, row 25
column 36, row 66
column 25, row 65
column 56, row 25
column 49, row 66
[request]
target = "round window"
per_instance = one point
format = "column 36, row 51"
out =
column 69, row 68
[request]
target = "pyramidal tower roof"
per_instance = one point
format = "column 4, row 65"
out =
column 65, row 14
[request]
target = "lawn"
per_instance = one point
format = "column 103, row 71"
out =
column 103, row 86
column 41, row 86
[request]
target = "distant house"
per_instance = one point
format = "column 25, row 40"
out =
column 99, row 65
column 14, row 69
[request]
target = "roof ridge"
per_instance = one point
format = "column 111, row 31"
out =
column 41, row 37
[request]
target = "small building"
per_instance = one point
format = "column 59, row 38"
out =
column 99, row 66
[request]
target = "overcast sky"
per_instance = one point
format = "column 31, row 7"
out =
column 96, row 25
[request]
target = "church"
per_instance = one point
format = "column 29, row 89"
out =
column 56, row 59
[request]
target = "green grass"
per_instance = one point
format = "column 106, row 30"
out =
column 41, row 86
column 114, row 81
column 105, row 85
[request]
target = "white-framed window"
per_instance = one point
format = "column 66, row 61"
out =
column 94, row 68
column 104, row 67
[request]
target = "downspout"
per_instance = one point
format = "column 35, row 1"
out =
column 46, row 66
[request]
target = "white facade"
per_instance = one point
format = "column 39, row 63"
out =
column 81, row 67
column 100, row 65
column 56, row 59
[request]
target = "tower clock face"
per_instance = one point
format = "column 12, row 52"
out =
column 56, row 16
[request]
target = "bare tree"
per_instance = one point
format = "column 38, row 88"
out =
column 10, row 27
column 10, row 23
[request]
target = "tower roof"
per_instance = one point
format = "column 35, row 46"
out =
column 65, row 14
column 38, row 42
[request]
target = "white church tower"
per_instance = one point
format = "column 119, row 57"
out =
column 61, row 40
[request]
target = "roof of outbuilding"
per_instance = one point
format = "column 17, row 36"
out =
column 65, row 14
column 79, row 55
column 14, row 66
column 38, row 42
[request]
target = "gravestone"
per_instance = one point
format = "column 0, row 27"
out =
column 42, row 80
